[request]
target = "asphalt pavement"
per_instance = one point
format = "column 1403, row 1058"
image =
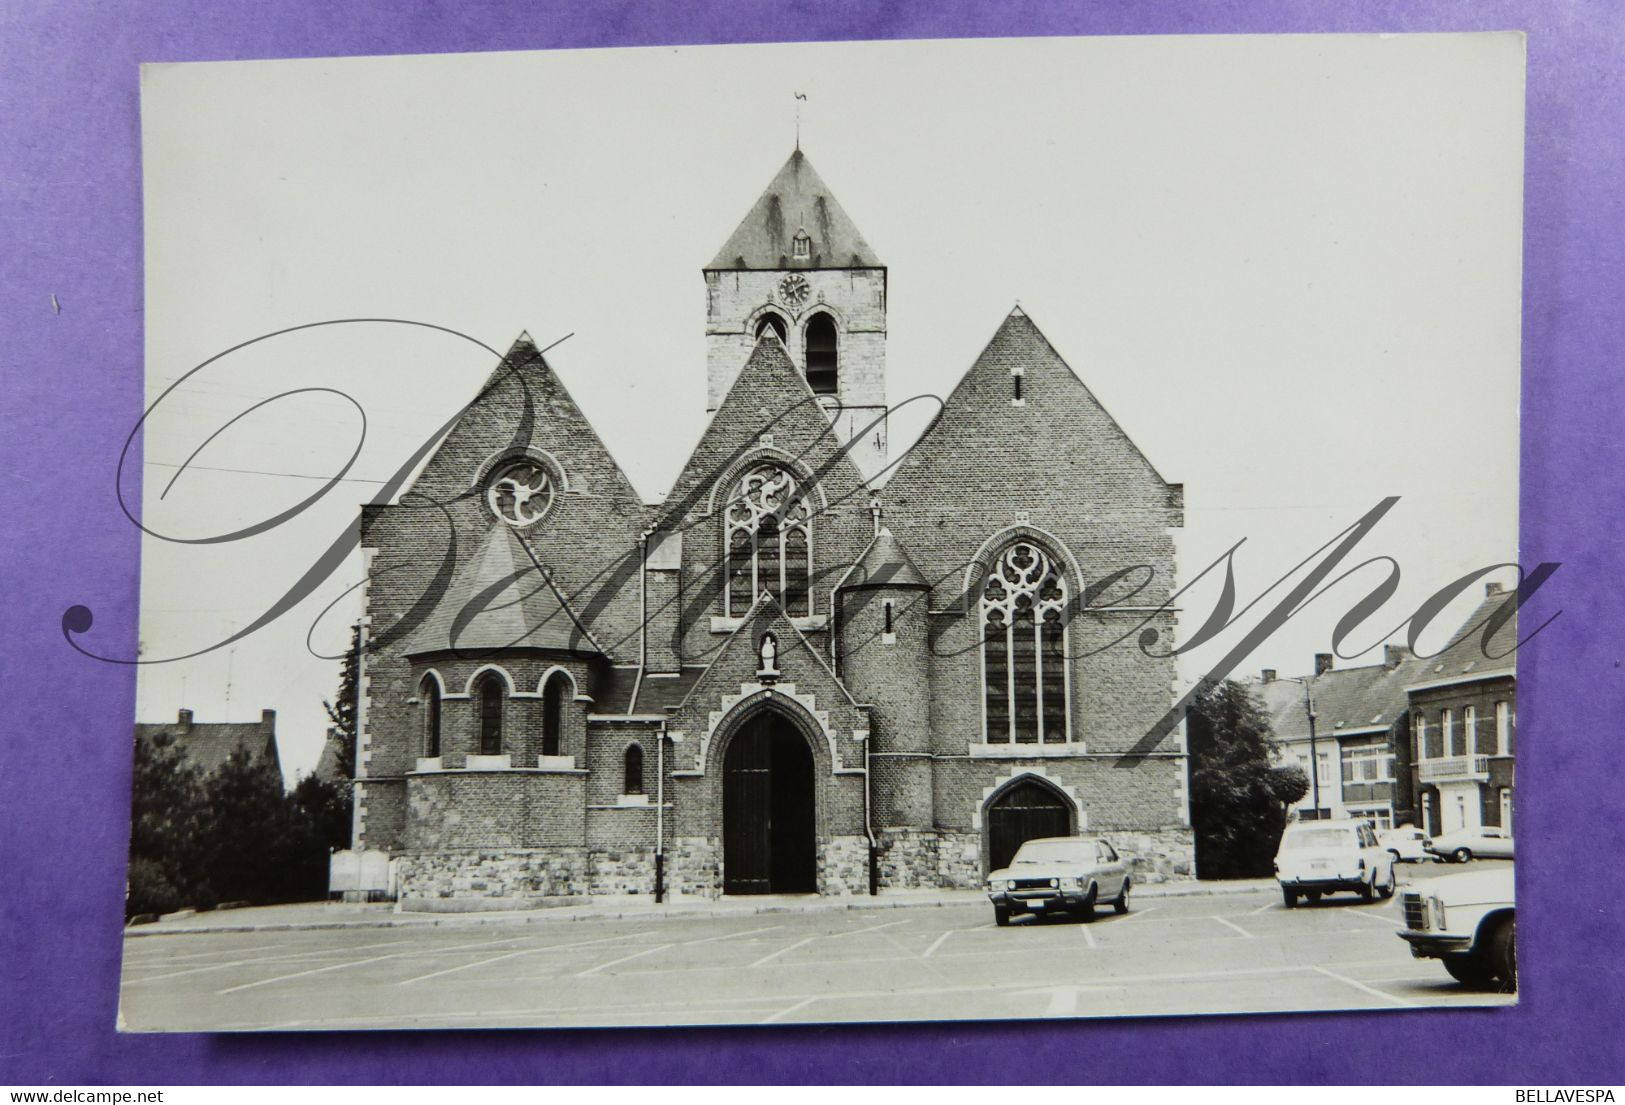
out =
column 1179, row 954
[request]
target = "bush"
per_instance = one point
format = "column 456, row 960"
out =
column 150, row 890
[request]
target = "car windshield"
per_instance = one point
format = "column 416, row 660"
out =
column 1055, row 851
column 1320, row 838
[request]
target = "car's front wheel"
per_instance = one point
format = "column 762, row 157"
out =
column 1086, row 911
column 1001, row 915
column 1121, row 904
column 1461, row 855
column 1470, row 970
column 1503, row 949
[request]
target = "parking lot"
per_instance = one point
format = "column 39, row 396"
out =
column 1201, row 954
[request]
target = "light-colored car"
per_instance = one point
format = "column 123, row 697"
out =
column 1467, row 921
column 1485, row 841
column 1060, row 874
column 1323, row 857
column 1408, row 843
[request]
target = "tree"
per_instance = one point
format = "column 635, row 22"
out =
column 341, row 711
column 168, row 829
column 1238, row 799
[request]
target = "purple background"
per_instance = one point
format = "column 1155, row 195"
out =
column 70, row 224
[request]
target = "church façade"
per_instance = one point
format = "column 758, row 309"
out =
column 812, row 667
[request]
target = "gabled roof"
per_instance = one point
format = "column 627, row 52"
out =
column 500, row 598
column 796, row 200
column 1351, row 699
column 1466, row 658
column 768, row 396
column 765, row 615
column 207, row 745
column 885, row 563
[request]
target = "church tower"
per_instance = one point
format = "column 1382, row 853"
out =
column 798, row 269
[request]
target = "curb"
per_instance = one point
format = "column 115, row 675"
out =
column 566, row 914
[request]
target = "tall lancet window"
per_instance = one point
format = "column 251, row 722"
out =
column 769, row 535
column 489, row 701
column 1024, row 669
column 823, row 367
column 429, row 693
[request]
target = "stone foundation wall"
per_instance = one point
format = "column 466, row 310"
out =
column 519, row 877
column 908, row 860
column 694, row 867
column 843, row 865
column 1158, row 856
column 959, row 860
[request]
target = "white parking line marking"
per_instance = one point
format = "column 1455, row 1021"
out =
column 623, row 959
column 159, row 959
column 871, row 928
column 1089, row 935
column 513, row 955
column 935, row 944
column 785, row 1012
column 1265, row 908
column 771, row 956
column 1373, row 991
column 1137, row 913
column 731, row 936
column 315, row 954
column 1233, row 925
column 359, row 963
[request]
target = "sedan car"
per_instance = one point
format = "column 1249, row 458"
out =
column 1408, row 843
column 1469, row 923
column 1323, row 857
column 1481, row 840
column 1059, row 874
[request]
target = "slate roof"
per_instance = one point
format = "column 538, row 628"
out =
column 500, row 598
column 657, row 692
column 1351, row 699
column 208, row 744
column 796, row 199
column 1464, row 658
column 885, row 563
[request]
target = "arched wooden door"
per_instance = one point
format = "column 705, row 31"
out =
column 1024, row 812
column 769, row 843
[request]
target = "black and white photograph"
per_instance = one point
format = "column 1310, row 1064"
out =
column 844, row 532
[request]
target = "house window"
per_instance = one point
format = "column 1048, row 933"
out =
column 1381, row 816
column 489, row 703
column 632, row 777
column 773, row 322
column 1447, row 725
column 1480, row 739
column 1024, row 669
column 553, row 694
column 769, row 535
column 429, row 691
column 1368, row 764
column 1503, row 730
column 823, row 369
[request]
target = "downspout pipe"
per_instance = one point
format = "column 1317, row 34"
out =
column 868, row 822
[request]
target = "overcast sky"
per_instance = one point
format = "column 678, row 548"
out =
column 1288, row 266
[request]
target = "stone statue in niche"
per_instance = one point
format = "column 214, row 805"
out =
column 769, row 669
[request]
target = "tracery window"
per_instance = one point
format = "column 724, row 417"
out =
column 769, row 540
column 520, row 493
column 1024, row 669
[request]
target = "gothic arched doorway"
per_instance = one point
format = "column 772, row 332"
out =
column 769, row 844
column 1024, row 812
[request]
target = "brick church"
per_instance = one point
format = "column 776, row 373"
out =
column 812, row 668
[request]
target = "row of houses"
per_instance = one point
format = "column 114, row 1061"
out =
column 1425, row 741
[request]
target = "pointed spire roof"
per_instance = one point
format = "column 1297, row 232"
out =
column 500, row 598
column 796, row 201
column 885, row 563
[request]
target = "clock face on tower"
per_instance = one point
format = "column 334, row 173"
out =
column 794, row 290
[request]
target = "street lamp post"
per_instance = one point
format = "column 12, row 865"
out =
column 1314, row 750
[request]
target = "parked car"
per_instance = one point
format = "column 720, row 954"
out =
column 1468, row 922
column 1060, row 874
column 1463, row 844
column 1323, row 857
column 1408, row 843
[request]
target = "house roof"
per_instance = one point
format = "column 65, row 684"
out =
column 1352, row 699
column 208, row 745
column 885, row 563
column 1466, row 657
column 796, row 200
column 654, row 693
column 501, row 598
